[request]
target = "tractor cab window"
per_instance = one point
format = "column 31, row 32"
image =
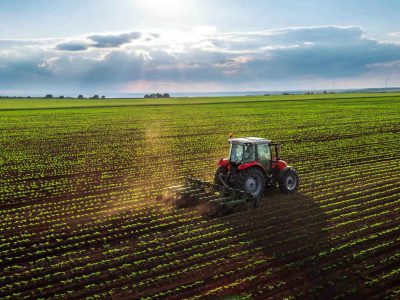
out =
column 264, row 155
column 264, row 152
column 236, row 153
column 248, row 153
column 242, row 153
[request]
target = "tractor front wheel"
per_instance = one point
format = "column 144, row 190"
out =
column 289, row 181
column 252, row 180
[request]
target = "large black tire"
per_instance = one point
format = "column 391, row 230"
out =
column 252, row 180
column 220, row 170
column 288, row 181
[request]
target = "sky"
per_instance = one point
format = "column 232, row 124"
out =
column 120, row 47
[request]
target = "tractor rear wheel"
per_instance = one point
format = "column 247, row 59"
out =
column 289, row 181
column 252, row 180
column 221, row 170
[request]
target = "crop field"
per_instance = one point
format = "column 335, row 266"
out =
column 84, row 212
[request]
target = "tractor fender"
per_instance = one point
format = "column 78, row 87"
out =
column 283, row 171
column 279, row 164
column 224, row 162
column 252, row 164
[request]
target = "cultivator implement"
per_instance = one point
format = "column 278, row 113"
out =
column 212, row 198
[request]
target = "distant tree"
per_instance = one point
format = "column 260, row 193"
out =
column 157, row 95
column 324, row 92
column 49, row 96
column 80, row 97
column 95, row 97
column 103, row 97
column 61, row 97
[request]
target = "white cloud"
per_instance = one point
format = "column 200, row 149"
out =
column 196, row 58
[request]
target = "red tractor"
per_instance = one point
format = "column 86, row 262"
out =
column 254, row 164
column 241, row 179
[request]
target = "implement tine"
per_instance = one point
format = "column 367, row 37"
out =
column 221, row 196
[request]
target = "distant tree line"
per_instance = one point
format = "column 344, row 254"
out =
column 50, row 96
column 157, row 95
column 324, row 92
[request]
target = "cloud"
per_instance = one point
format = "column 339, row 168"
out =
column 328, row 35
column 6, row 44
column 102, row 41
column 20, row 70
column 73, row 46
column 325, row 52
column 274, row 58
column 26, row 43
column 396, row 34
column 113, row 40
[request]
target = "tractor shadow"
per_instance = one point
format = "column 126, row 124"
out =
column 288, row 222
column 287, row 230
column 289, row 234
column 280, row 223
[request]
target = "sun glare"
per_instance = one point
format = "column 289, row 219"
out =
column 162, row 7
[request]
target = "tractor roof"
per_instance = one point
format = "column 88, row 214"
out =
column 249, row 140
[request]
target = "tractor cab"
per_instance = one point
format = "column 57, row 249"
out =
column 253, row 164
column 263, row 151
column 248, row 150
